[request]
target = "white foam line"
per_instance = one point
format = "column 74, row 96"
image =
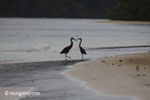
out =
column 83, row 83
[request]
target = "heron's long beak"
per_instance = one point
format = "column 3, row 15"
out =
column 74, row 39
column 77, row 39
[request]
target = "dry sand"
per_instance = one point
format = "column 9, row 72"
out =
column 127, row 75
column 125, row 22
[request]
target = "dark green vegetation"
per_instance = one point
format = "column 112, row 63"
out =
column 55, row 8
column 131, row 10
column 115, row 9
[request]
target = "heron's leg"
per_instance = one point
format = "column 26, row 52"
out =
column 82, row 56
column 65, row 56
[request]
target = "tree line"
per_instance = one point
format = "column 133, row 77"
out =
column 55, row 8
column 113, row 9
column 130, row 10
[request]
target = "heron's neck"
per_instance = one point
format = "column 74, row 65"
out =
column 71, row 43
column 80, row 43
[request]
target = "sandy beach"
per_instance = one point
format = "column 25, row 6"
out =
column 126, row 75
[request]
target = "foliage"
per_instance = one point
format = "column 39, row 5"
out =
column 131, row 10
column 55, row 8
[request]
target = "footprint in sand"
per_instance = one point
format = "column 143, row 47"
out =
column 137, row 68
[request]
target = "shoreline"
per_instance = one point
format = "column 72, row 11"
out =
column 28, row 76
column 124, row 75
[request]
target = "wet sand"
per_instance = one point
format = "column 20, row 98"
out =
column 127, row 75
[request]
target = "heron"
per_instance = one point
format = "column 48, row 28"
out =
column 67, row 49
column 81, row 48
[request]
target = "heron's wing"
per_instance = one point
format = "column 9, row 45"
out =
column 83, row 51
column 65, row 50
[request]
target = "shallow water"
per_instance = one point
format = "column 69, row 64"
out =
column 25, row 40
column 48, row 79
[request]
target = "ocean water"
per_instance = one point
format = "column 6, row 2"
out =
column 27, row 40
column 36, row 40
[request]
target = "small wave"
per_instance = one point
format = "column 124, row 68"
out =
column 119, row 47
column 33, row 66
column 27, row 50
